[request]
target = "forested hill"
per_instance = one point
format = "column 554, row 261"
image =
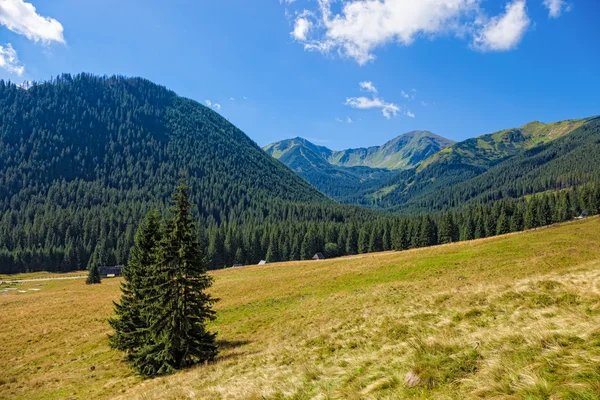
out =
column 83, row 158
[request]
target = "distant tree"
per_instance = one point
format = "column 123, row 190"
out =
column 363, row 240
column 93, row 275
column 310, row 244
column 331, row 250
column 352, row 240
column 531, row 214
column 447, row 229
column 503, row 226
column 428, row 235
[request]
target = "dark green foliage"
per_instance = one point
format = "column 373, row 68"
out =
column 331, row 250
column 93, row 275
column 161, row 321
column 84, row 158
column 129, row 324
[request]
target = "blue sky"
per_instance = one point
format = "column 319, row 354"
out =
column 280, row 69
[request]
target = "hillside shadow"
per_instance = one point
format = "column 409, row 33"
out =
column 229, row 347
column 231, row 344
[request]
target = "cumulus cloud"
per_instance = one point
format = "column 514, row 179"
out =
column 364, row 25
column 505, row 31
column 9, row 60
column 349, row 120
column 22, row 18
column 556, row 7
column 368, row 86
column 388, row 110
column 359, row 27
column 301, row 28
column 208, row 102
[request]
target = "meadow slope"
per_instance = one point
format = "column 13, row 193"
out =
column 516, row 316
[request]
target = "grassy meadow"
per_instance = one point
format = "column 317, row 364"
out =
column 512, row 317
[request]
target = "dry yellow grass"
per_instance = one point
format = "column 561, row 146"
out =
column 510, row 317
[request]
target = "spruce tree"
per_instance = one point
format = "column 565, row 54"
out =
column 93, row 275
column 178, row 307
column 129, row 323
column 352, row 240
column 503, row 226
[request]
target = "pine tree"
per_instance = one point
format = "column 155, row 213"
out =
column 428, row 233
column 531, row 214
column 352, row 241
column 363, row 240
column 93, row 275
column 179, row 306
column 446, row 229
column 310, row 244
column 503, row 226
column 129, row 324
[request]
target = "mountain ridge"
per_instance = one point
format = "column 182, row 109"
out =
column 402, row 152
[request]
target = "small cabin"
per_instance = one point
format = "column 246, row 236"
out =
column 318, row 256
column 262, row 262
column 111, row 272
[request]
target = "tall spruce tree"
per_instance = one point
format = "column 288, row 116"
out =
column 178, row 307
column 129, row 323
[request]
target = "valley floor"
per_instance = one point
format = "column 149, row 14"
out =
column 516, row 316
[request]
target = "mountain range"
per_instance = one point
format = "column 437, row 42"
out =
column 83, row 158
column 342, row 173
column 412, row 171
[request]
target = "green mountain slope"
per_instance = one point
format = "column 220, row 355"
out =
column 570, row 160
column 404, row 152
column 308, row 161
column 509, row 163
column 486, row 150
column 342, row 174
column 83, row 158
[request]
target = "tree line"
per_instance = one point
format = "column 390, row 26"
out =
column 300, row 231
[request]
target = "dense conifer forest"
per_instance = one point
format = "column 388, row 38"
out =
column 83, row 159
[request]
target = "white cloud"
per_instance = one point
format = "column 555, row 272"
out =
column 338, row 119
column 349, row 120
column 364, row 25
column 10, row 61
column 208, row 102
column 217, row 106
column 231, row 98
column 368, row 86
column 504, row 32
column 410, row 114
column 388, row 110
column 22, row 18
column 301, row 28
column 358, row 27
column 556, row 7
